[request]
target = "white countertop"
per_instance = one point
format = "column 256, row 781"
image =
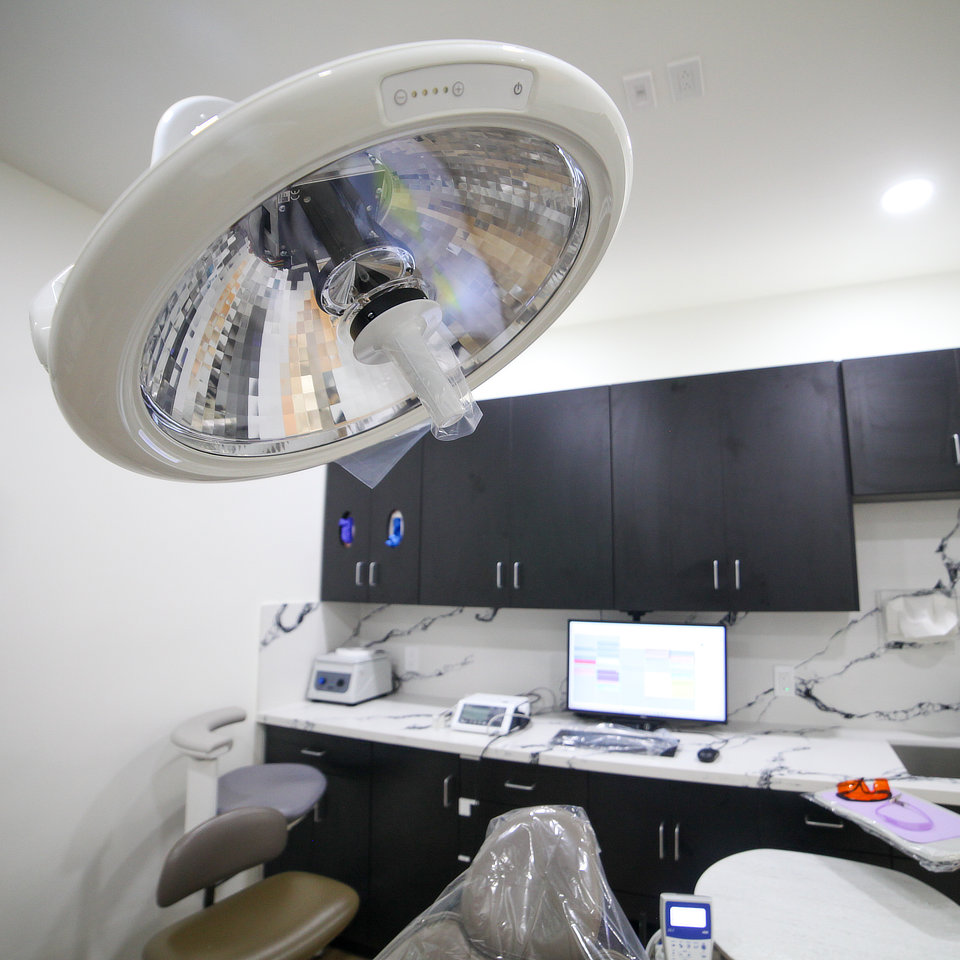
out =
column 803, row 761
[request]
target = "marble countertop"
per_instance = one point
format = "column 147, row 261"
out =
column 802, row 761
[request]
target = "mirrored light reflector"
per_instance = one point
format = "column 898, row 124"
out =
column 252, row 354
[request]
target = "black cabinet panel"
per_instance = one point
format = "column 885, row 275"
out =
column 337, row 843
column 465, row 514
column 789, row 517
column 414, row 838
column 560, row 500
column 658, row 835
column 903, row 416
column 668, row 495
column 369, row 569
column 731, row 493
column 519, row 513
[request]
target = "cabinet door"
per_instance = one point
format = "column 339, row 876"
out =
column 789, row 517
column 394, row 572
column 903, row 416
column 667, row 496
column 660, row 835
column 414, row 835
column 344, row 571
column 465, row 515
column 335, row 843
column 368, row 568
column 560, row 500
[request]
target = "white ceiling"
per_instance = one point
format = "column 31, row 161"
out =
column 767, row 184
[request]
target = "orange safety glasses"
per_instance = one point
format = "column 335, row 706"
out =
column 860, row 790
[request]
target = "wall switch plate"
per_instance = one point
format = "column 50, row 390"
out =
column 640, row 89
column 783, row 681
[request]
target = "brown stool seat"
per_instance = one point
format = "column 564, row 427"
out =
column 289, row 916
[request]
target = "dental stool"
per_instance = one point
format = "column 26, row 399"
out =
column 535, row 890
column 288, row 916
column 292, row 788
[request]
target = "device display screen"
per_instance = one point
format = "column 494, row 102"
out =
column 473, row 713
column 687, row 916
column 670, row 671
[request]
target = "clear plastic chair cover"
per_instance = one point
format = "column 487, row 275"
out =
column 535, row 890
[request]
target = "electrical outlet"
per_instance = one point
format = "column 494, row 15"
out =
column 686, row 79
column 411, row 659
column 640, row 89
column 783, row 681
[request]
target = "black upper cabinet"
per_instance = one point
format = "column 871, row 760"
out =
column 903, row 416
column 362, row 565
column 519, row 513
column 731, row 492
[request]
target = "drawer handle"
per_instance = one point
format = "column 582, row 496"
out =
column 956, row 449
column 447, row 797
column 736, row 574
column 676, row 843
column 499, row 574
column 660, row 838
column 358, row 574
column 716, row 574
column 527, row 787
column 313, row 753
column 516, row 575
column 821, row 823
column 372, row 574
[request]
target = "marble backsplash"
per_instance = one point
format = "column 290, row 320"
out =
column 873, row 668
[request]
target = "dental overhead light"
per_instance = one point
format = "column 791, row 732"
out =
column 319, row 269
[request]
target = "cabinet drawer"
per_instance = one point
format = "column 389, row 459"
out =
column 790, row 822
column 284, row 745
column 526, row 785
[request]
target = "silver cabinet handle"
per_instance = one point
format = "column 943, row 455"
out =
column 358, row 573
column 821, row 824
column 313, row 753
column 516, row 575
column 956, row 448
column 372, row 574
column 716, row 574
column 676, row 843
column 499, row 575
column 660, row 838
column 527, row 787
column 447, row 797
column 736, row 574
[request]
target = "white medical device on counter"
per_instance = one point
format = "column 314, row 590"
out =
column 686, row 926
column 490, row 713
column 350, row 675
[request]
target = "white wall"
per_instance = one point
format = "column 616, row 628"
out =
column 128, row 605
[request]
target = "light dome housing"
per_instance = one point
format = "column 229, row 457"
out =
column 194, row 339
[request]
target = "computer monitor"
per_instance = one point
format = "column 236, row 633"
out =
column 635, row 672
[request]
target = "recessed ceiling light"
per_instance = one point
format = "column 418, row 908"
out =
column 907, row 196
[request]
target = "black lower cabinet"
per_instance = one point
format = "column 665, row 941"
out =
column 413, row 836
column 659, row 835
column 399, row 823
column 335, row 843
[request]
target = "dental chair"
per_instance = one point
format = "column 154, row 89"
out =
column 535, row 891
column 292, row 788
column 287, row 916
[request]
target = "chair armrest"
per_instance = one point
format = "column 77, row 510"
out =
column 196, row 736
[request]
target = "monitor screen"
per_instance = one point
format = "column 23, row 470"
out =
column 647, row 670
